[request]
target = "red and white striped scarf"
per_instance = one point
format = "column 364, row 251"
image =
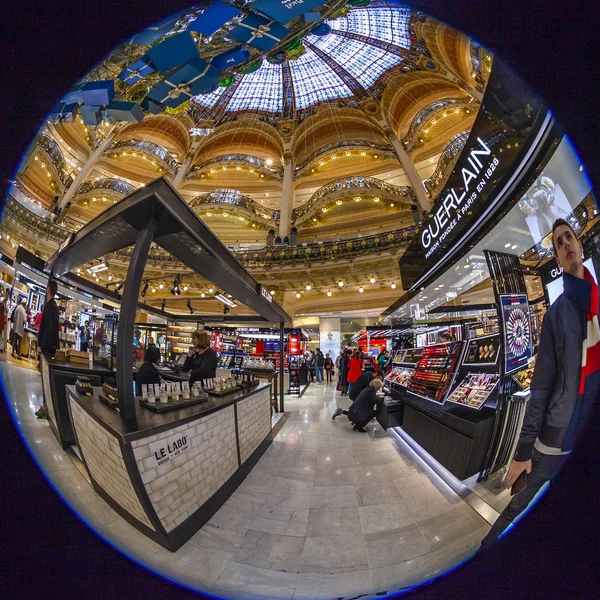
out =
column 590, row 355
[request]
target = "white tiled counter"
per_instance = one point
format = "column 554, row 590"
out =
column 168, row 473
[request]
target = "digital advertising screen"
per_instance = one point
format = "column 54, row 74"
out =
column 514, row 309
column 555, row 288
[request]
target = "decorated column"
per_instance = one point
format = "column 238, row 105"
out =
column 181, row 174
column 411, row 172
column 287, row 197
column 87, row 168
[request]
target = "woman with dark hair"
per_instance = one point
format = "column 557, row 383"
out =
column 202, row 359
column 148, row 372
column 344, row 366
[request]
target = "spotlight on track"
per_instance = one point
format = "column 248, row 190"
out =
column 162, row 306
column 175, row 289
column 119, row 287
column 189, row 305
column 144, row 289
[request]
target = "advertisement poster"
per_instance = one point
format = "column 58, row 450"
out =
column 330, row 342
column 517, row 331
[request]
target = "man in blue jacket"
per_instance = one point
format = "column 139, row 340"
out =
column 557, row 407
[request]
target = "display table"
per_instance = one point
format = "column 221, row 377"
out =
column 57, row 375
column 168, row 473
column 457, row 437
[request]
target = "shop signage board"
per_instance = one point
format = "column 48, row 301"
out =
column 502, row 134
column 165, row 450
column 265, row 293
column 514, row 311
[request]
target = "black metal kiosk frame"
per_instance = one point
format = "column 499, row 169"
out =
column 156, row 213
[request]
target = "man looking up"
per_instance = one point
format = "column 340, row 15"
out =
column 566, row 379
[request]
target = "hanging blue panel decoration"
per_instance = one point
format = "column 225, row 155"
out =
column 258, row 32
column 321, row 30
column 151, row 106
column 196, row 77
column 286, row 10
column 98, row 93
column 311, row 17
column 150, row 35
column 213, row 18
column 64, row 112
column 133, row 73
column 125, row 111
column 91, row 115
column 173, row 52
column 230, row 59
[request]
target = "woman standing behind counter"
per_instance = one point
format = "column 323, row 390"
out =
column 202, row 359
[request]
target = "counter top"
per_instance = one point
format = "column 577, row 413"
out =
column 78, row 367
column 149, row 423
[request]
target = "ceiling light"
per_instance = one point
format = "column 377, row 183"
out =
column 308, row 288
column 144, row 289
column 154, row 290
column 253, row 224
column 210, row 290
column 163, row 304
column 507, row 245
column 225, row 300
column 357, row 199
column 338, row 202
column 393, row 286
column 94, row 269
column 513, row 247
column 202, row 295
column 297, row 295
column 372, row 280
column 467, row 266
column 161, row 286
column 341, row 284
column 392, row 204
column 185, row 288
column 329, row 293
column 441, row 285
column 79, row 270
column 267, row 194
column 272, row 292
column 324, row 210
column 110, row 277
column 315, row 219
column 361, row 290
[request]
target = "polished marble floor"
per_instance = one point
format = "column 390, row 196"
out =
column 326, row 513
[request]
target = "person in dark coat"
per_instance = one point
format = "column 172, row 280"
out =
column 361, row 383
column 363, row 408
column 148, row 372
column 48, row 339
column 202, row 359
column 344, row 372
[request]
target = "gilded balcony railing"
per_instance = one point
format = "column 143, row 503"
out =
column 42, row 227
column 53, row 150
column 254, row 161
column 361, row 144
column 107, row 184
column 237, row 199
column 152, row 149
column 349, row 183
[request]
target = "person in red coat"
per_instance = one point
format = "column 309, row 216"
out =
column 355, row 369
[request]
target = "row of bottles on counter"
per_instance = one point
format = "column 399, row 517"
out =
column 83, row 385
column 170, row 390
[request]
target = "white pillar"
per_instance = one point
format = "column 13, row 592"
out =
column 183, row 171
column 411, row 173
column 87, row 168
column 287, row 198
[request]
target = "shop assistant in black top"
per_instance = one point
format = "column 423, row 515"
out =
column 202, row 359
column 148, row 372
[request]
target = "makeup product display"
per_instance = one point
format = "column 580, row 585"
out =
column 434, row 371
column 83, row 385
column 400, row 376
column 474, row 390
column 399, row 357
column 523, row 378
column 482, row 351
column 413, row 356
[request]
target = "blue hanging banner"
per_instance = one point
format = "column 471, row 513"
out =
column 174, row 51
column 230, row 59
column 286, row 10
column 98, row 93
column 125, row 111
column 258, row 32
column 133, row 73
column 91, row 115
column 196, row 77
column 150, row 35
column 311, row 17
column 64, row 112
column 213, row 18
column 151, row 106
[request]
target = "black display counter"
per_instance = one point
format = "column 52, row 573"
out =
column 168, row 473
column 55, row 377
column 457, row 437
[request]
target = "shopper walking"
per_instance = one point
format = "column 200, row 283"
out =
column 48, row 339
column 382, row 359
column 311, row 364
column 202, row 359
column 562, row 390
column 361, row 383
column 354, row 369
column 328, row 368
column 319, row 365
column 345, row 366
column 363, row 409
column 85, row 337
column 19, row 319
column 3, row 320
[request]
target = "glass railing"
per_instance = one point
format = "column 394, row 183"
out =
column 52, row 149
column 259, row 163
column 34, row 222
column 235, row 198
column 153, row 149
column 107, row 184
column 342, row 144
